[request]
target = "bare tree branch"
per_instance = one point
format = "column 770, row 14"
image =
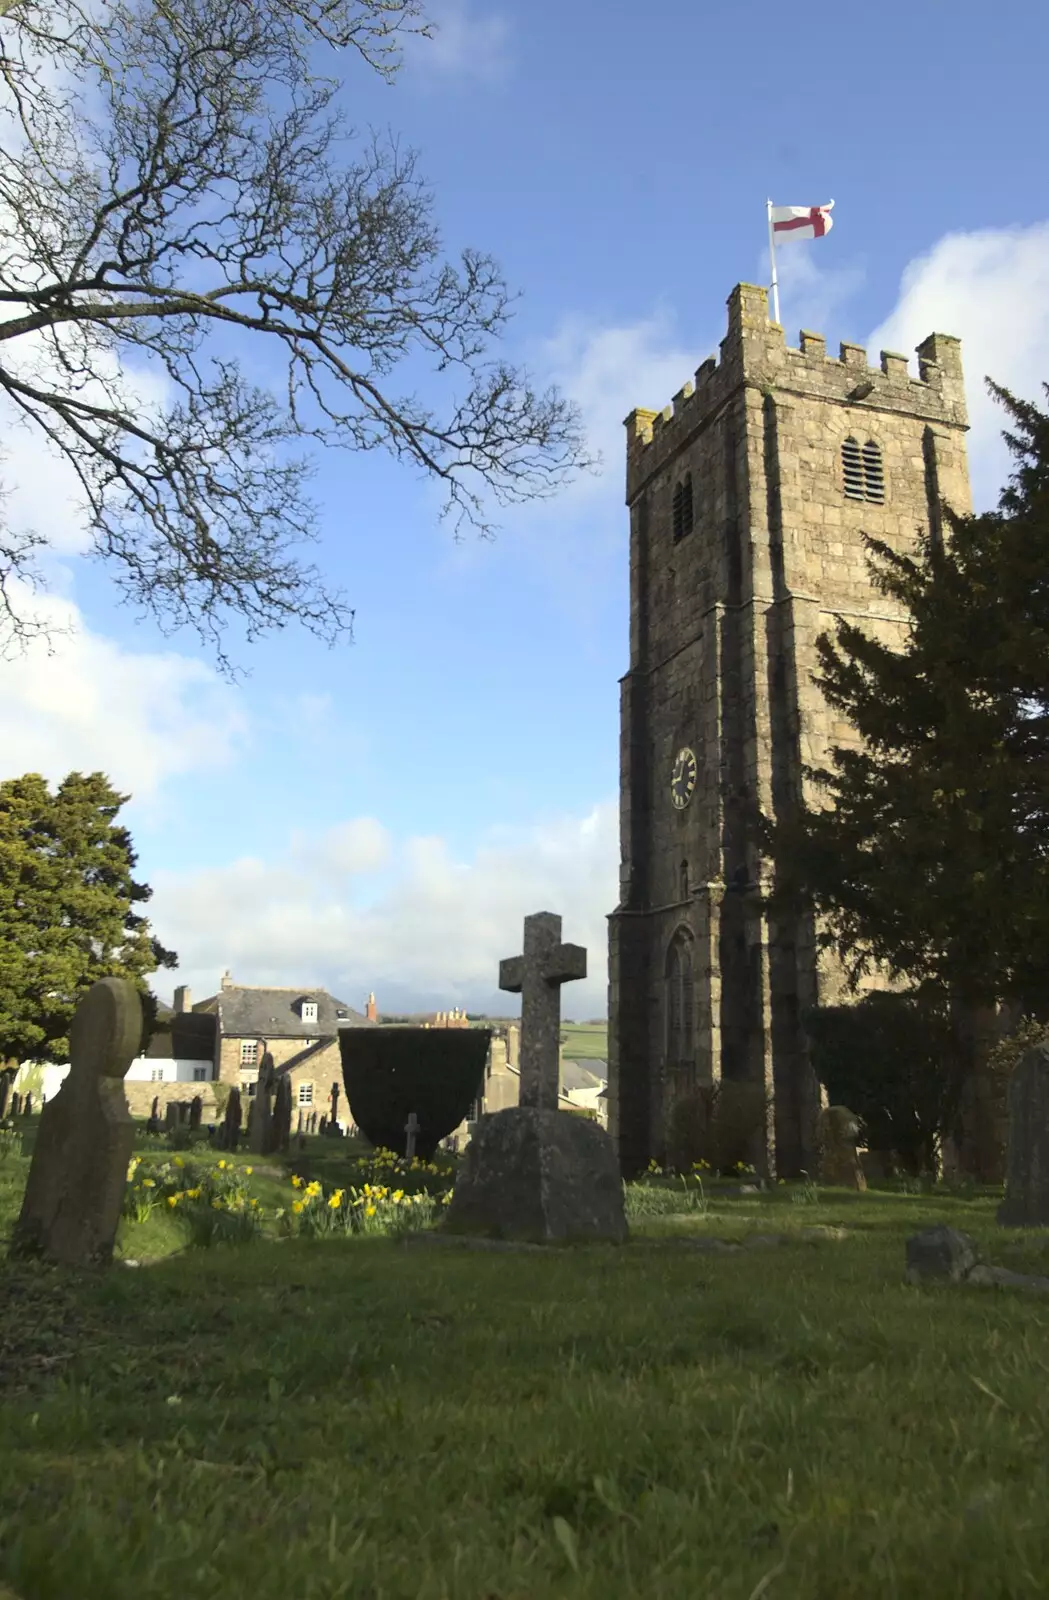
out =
column 176, row 180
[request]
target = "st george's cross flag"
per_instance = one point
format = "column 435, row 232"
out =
column 800, row 222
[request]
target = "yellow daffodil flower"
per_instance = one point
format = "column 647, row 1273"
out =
column 249, row 1171
column 296, row 1206
column 369, row 1211
column 296, row 1182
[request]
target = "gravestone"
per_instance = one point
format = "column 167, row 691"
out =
column 16, row 1105
column 411, row 1130
column 281, row 1129
column 534, row 1173
column 153, row 1121
column 196, row 1111
column 837, row 1131
column 27, row 1108
column 335, row 1102
column 1026, row 1202
column 7, row 1078
column 323, row 1126
column 261, row 1115
column 86, row 1134
column 298, row 1129
column 231, row 1122
column 170, row 1116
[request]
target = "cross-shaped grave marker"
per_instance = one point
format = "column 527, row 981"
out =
column 411, row 1128
column 537, row 977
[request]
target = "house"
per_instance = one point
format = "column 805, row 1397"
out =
column 220, row 1041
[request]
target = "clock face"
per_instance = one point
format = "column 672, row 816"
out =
column 683, row 778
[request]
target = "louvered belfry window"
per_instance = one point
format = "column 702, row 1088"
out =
column 681, row 507
column 680, row 1002
column 862, row 471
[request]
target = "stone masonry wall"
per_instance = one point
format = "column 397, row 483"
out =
column 723, row 627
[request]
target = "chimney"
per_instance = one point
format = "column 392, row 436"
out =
column 183, row 1003
column 369, row 1010
column 227, row 980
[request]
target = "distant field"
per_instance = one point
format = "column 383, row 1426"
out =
column 586, row 1041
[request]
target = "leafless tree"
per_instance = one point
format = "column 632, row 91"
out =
column 179, row 196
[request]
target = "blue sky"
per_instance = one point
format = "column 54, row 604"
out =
column 382, row 816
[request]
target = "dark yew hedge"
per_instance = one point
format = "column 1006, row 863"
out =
column 391, row 1072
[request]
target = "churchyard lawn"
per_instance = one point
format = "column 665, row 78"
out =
column 380, row 1420
column 585, row 1041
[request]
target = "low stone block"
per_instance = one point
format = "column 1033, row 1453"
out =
column 940, row 1252
column 539, row 1175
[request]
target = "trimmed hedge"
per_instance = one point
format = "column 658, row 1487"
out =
column 391, row 1072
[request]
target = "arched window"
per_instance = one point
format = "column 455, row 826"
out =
column 681, row 507
column 680, row 1001
column 862, row 471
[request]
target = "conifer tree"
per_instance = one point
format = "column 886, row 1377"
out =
column 67, row 909
column 930, row 856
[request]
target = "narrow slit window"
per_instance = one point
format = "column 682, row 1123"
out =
column 680, row 1002
column 681, row 507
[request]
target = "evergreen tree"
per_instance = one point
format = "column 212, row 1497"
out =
column 932, row 857
column 67, row 910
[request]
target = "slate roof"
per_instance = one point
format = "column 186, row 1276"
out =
column 270, row 1013
column 580, row 1075
column 186, row 1037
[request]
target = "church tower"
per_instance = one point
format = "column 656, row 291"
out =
column 748, row 497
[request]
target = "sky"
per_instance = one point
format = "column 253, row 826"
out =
column 382, row 815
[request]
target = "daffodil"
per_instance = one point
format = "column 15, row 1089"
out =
column 334, row 1202
column 179, row 1161
column 222, row 1165
column 297, row 1206
column 147, row 1183
column 173, row 1199
column 249, row 1170
column 296, row 1182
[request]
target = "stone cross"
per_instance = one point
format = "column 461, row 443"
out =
column 85, row 1135
column 411, row 1128
column 537, row 977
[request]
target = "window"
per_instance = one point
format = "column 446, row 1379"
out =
column 305, row 1094
column 200, row 1074
column 863, row 471
column 309, row 1011
column 680, row 1000
column 157, row 1074
column 681, row 507
column 249, row 1052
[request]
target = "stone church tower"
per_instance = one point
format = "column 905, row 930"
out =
column 747, row 500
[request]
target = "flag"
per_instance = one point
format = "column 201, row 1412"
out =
column 800, row 222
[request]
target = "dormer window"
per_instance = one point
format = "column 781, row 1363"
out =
column 681, row 507
column 862, row 471
column 308, row 1011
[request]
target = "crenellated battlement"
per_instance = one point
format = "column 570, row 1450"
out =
column 754, row 354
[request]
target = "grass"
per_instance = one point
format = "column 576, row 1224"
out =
column 388, row 1421
column 585, row 1041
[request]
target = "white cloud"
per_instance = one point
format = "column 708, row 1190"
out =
column 991, row 289
column 464, row 43
column 89, row 705
column 810, row 290
column 430, row 934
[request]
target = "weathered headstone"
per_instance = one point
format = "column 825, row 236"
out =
column 261, row 1116
column 27, row 1107
column 153, row 1120
column 335, row 1102
column 170, row 1116
column 281, row 1127
column 231, row 1122
column 1026, row 1202
column 76, row 1185
column 837, row 1132
column 322, row 1126
column 298, row 1129
column 940, row 1252
column 534, row 1173
column 7, row 1078
column 196, row 1111
column 16, row 1104
column 411, row 1131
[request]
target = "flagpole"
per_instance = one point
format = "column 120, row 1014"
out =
column 772, row 259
